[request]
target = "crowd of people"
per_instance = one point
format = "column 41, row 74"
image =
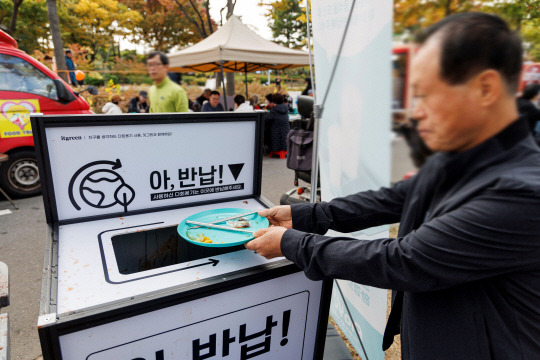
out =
column 166, row 95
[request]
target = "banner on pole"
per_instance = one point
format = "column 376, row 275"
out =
column 354, row 136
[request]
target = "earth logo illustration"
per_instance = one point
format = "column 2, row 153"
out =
column 105, row 188
column 100, row 187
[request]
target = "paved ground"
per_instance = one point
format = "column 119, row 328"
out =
column 22, row 243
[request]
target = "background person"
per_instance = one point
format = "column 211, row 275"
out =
column 240, row 104
column 466, row 263
column 527, row 105
column 307, row 89
column 165, row 96
column 139, row 103
column 268, row 102
column 278, row 85
column 205, row 96
column 71, row 67
column 112, row 107
column 213, row 104
column 276, row 124
column 254, row 101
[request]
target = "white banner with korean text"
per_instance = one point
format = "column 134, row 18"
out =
column 111, row 168
column 354, row 137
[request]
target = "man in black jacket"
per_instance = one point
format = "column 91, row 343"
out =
column 466, row 264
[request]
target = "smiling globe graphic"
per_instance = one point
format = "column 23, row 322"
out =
column 105, row 188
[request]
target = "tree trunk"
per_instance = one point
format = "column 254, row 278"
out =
column 230, row 8
column 448, row 8
column 219, row 80
column 229, row 83
column 230, row 76
column 13, row 23
column 58, row 44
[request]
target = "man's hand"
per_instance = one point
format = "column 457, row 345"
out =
column 278, row 216
column 267, row 242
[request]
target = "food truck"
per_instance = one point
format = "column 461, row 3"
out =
column 26, row 87
column 123, row 276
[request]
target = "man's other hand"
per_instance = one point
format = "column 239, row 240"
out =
column 278, row 216
column 267, row 242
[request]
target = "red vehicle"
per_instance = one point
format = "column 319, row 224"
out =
column 27, row 86
column 530, row 75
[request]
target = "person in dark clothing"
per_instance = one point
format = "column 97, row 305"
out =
column 175, row 77
column 307, row 90
column 527, row 108
column 278, row 84
column 139, row 103
column 269, row 102
column 205, row 96
column 276, row 124
column 419, row 152
column 465, row 267
column 71, row 67
column 213, row 104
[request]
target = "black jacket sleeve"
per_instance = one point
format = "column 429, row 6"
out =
column 354, row 212
column 493, row 234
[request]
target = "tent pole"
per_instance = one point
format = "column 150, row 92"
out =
column 317, row 112
column 223, row 85
column 245, row 72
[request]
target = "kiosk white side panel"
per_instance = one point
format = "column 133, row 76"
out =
column 275, row 319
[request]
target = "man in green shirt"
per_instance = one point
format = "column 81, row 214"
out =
column 165, row 96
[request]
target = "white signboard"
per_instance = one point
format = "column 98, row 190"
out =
column 354, row 135
column 98, row 170
column 275, row 319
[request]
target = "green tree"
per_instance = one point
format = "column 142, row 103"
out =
column 287, row 22
column 517, row 12
column 198, row 14
column 163, row 24
column 95, row 23
column 524, row 17
column 32, row 24
column 411, row 15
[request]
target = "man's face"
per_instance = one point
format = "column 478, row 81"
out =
column 69, row 55
column 156, row 69
column 448, row 118
column 214, row 100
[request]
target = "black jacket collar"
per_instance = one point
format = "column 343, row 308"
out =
column 457, row 163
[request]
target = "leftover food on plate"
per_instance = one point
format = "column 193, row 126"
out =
column 203, row 239
column 238, row 223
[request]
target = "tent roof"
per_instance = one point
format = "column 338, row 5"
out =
column 239, row 48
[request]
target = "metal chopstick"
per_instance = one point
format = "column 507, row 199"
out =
column 229, row 218
column 210, row 225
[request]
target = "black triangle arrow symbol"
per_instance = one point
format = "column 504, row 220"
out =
column 236, row 169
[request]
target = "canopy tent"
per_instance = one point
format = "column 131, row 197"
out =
column 235, row 48
column 238, row 49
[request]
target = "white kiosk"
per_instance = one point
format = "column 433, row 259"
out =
column 118, row 281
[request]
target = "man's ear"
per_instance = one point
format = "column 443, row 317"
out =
column 490, row 86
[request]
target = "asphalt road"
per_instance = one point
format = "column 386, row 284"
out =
column 22, row 239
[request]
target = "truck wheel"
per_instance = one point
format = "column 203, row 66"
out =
column 19, row 175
